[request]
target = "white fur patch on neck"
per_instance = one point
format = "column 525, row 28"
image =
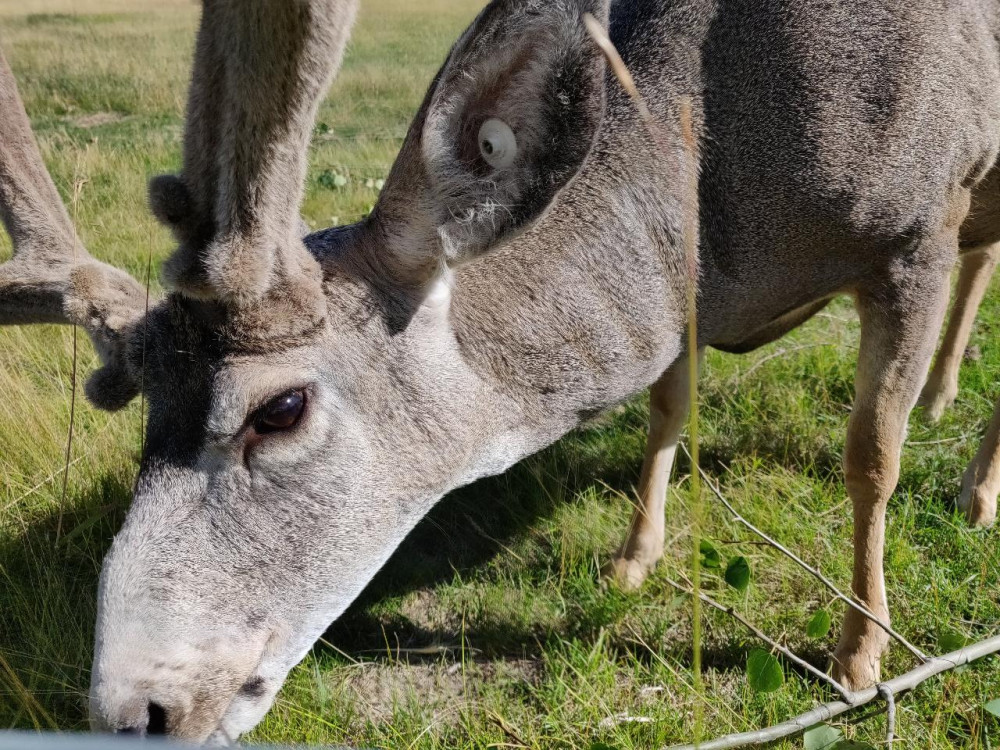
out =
column 439, row 291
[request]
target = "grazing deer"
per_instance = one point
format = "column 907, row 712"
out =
column 310, row 399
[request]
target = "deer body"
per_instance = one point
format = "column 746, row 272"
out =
column 308, row 408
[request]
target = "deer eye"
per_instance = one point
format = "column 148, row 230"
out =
column 281, row 412
column 497, row 143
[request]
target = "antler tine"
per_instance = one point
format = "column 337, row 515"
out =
column 33, row 283
column 52, row 278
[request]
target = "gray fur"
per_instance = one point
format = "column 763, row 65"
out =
column 838, row 149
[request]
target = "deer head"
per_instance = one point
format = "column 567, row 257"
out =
column 310, row 399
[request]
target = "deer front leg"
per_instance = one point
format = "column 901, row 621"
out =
column 941, row 388
column 981, row 482
column 643, row 547
column 899, row 326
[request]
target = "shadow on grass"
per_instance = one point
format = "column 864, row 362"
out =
column 470, row 526
column 48, row 590
column 48, row 597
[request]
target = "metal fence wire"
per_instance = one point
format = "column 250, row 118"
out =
column 73, row 741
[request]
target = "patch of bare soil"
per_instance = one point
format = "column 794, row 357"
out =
column 425, row 610
column 438, row 690
column 96, row 119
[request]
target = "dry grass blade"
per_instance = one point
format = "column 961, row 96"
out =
column 77, row 190
column 26, row 698
column 67, row 462
column 689, row 206
column 621, row 71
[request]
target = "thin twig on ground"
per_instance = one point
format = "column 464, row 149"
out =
column 894, row 687
column 848, row 600
column 890, row 712
column 846, row 694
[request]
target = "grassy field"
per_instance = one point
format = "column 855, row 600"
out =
column 489, row 628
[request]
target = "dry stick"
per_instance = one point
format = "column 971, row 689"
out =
column 846, row 694
column 689, row 207
column 890, row 712
column 894, row 687
column 853, row 603
column 690, row 230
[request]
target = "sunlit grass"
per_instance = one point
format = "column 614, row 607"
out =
column 490, row 628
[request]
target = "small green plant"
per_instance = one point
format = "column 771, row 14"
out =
column 825, row 737
column 951, row 640
column 993, row 707
column 819, row 624
column 764, row 673
column 331, row 180
column 822, row 737
column 737, row 573
column 710, row 557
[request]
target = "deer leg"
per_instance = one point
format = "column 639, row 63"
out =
column 643, row 547
column 973, row 280
column 899, row 325
column 981, row 482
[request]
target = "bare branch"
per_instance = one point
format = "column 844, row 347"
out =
column 890, row 713
column 848, row 600
column 894, row 687
column 846, row 694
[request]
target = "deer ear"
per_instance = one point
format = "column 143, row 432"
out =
column 511, row 120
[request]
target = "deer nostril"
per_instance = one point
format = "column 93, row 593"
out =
column 157, row 719
column 151, row 722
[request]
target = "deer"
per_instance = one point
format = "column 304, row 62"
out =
column 981, row 480
column 311, row 396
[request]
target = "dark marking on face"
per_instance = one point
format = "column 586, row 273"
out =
column 255, row 687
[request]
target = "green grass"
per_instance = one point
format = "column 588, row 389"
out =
column 489, row 628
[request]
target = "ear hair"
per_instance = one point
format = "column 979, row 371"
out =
column 525, row 78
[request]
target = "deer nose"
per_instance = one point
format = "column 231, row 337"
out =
column 153, row 723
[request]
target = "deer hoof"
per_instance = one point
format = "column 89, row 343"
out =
column 626, row 573
column 979, row 505
column 858, row 666
column 936, row 398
